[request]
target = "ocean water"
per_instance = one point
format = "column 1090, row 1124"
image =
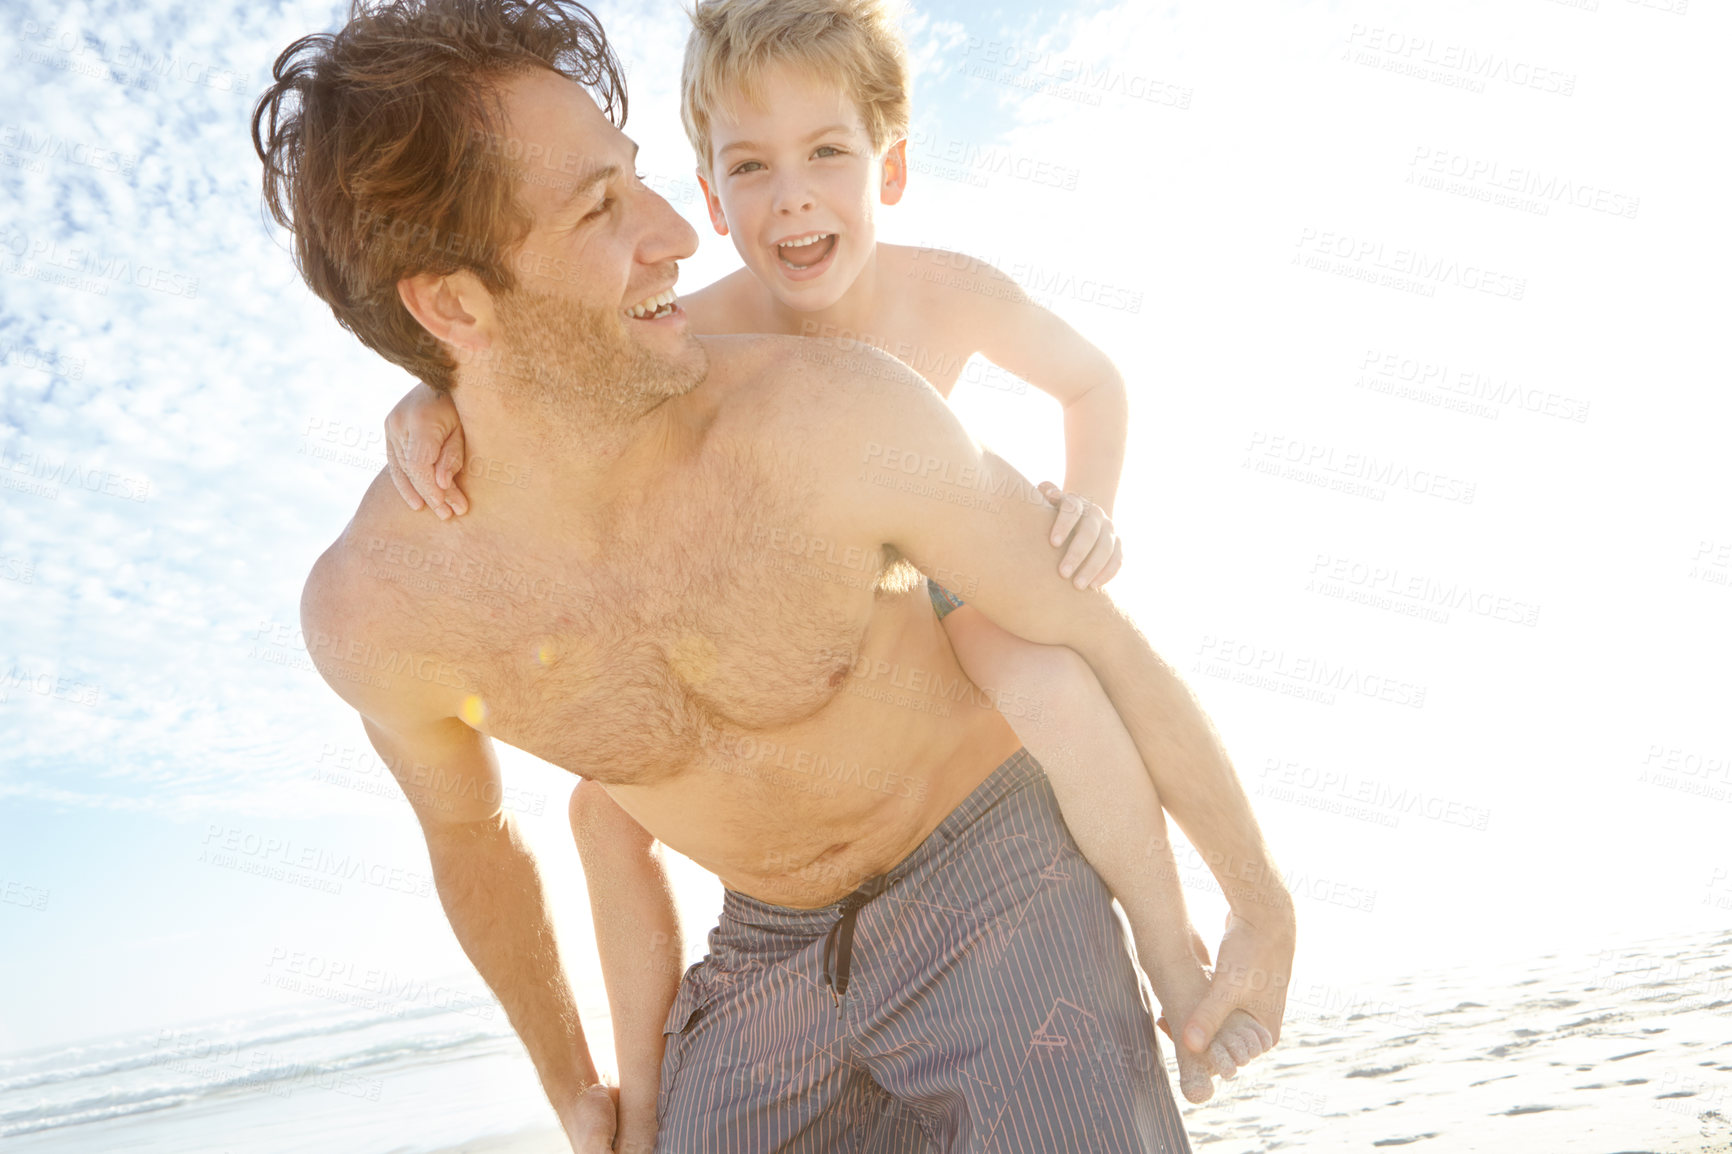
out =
column 404, row 1079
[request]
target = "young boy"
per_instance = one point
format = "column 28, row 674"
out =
column 798, row 112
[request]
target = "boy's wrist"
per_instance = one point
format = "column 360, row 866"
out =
column 1097, row 494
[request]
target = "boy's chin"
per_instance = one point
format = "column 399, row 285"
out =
column 815, row 295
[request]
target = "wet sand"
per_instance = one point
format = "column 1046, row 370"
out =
column 1622, row 1052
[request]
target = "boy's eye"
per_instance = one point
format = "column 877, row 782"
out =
column 747, row 166
column 827, row 149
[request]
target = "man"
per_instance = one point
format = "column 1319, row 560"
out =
column 704, row 557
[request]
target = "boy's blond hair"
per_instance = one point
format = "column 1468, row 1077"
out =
column 734, row 42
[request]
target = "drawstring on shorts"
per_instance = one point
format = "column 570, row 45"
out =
column 839, row 942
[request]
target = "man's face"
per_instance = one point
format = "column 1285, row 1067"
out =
column 593, row 311
column 797, row 167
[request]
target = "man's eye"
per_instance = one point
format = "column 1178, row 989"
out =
column 607, row 203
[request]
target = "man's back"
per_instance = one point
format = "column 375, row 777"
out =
column 763, row 693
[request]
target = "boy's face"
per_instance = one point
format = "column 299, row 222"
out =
column 794, row 182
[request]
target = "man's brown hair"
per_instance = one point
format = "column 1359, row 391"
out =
column 383, row 155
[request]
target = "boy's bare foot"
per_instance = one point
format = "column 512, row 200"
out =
column 1242, row 1038
column 1181, row 982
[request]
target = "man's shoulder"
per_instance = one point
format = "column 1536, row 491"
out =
column 348, row 609
column 807, row 385
column 816, row 414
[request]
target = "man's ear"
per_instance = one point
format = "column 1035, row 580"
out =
column 454, row 308
column 895, row 172
column 714, row 204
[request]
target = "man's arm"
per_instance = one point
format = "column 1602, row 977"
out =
column 487, row 880
column 973, row 514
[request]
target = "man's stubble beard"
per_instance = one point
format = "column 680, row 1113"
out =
column 580, row 364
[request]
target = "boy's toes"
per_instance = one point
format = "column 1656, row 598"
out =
column 1194, row 1081
column 1222, row 1060
column 1245, row 1037
column 1241, row 1044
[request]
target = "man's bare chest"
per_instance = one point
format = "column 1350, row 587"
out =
column 719, row 616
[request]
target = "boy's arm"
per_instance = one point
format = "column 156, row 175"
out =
column 1016, row 334
column 637, row 933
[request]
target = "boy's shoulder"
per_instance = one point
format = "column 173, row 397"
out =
column 945, row 275
column 962, row 297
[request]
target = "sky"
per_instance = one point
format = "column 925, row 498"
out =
column 1422, row 313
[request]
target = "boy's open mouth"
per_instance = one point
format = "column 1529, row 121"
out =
column 806, row 251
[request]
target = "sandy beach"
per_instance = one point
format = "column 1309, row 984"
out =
column 1623, row 1052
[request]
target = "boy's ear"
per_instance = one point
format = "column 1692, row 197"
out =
column 714, row 204
column 895, row 172
column 454, row 308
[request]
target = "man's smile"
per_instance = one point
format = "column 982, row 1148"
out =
column 654, row 308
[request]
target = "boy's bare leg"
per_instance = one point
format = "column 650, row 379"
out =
column 637, row 934
column 1062, row 715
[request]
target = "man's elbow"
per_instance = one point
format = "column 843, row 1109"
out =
column 449, row 837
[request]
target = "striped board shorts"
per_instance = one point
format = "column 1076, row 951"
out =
column 980, row 997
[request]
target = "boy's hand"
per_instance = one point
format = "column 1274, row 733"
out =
column 1095, row 552
column 424, row 445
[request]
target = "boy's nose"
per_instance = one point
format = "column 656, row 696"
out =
column 792, row 197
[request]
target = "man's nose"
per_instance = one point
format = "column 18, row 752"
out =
column 669, row 236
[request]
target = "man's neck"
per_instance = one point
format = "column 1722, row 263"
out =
column 524, row 454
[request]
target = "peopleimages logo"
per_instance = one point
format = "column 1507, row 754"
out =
column 47, row 146
column 1348, row 471
column 46, row 475
column 1309, row 677
column 1460, row 65
column 1369, row 259
column 45, row 259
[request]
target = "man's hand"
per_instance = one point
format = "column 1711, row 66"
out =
column 1251, row 974
column 1095, row 552
column 424, row 448
column 590, row 1120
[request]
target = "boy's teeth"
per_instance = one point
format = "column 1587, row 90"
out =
column 804, row 243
